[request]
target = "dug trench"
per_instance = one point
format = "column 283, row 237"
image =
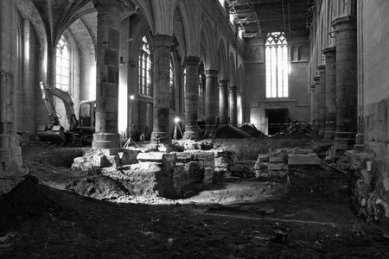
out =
column 307, row 216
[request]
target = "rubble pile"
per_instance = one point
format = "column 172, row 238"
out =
column 230, row 131
column 252, row 130
column 298, row 129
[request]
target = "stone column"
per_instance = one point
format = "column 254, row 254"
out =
column 191, row 97
column 211, row 105
column 313, row 121
column 161, row 54
column 346, row 81
column 330, row 92
column 316, row 103
column 11, row 170
column 322, row 100
column 107, row 72
column 223, row 101
column 233, row 105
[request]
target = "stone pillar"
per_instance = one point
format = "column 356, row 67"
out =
column 161, row 53
column 211, row 105
column 191, row 97
column 233, row 101
column 316, row 102
column 330, row 92
column 107, row 72
column 223, row 101
column 322, row 100
column 346, row 82
column 11, row 170
column 313, row 121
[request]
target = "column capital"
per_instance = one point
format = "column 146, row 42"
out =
column 211, row 72
column 160, row 40
column 192, row 61
column 344, row 23
column 321, row 67
column 329, row 50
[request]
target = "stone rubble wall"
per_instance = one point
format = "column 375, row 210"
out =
column 369, row 184
column 275, row 165
column 170, row 175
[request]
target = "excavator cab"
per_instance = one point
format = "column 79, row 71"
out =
column 86, row 122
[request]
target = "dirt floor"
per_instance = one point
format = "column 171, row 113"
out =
column 312, row 220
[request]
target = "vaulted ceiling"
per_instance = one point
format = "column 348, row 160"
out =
column 262, row 16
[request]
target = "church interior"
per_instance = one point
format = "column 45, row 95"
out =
column 194, row 129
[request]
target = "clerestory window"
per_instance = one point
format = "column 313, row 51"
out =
column 277, row 66
column 62, row 66
column 145, row 68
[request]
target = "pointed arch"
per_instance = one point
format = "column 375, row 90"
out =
column 232, row 70
column 188, row 21
column 208, row 49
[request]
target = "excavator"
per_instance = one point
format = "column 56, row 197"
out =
column 79, row 132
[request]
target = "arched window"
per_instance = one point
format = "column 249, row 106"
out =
column 277, row 66
column 62, row 66
column 145, row 67
column 171, row 86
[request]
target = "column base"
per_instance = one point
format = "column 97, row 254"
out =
column 108, row 141
column 359, row 142
column 192, row 132
column 161, row 138
column 344, row 140
column 12, row 171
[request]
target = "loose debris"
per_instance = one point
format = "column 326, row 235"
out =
column 297, row 130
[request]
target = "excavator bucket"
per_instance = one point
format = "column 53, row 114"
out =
column 54, row 134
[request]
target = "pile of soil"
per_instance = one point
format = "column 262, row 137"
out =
column 297, row 130
column 252, row 131
column 27, row 201
column 230, row 131
column 98, row 187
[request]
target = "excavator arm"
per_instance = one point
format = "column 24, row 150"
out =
column 49, row 102
column 48, row 94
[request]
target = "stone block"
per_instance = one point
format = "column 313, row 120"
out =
column 262, row 158
column 184, row 157
column 221, row 164
column 167, row 159
column 128, row 157
column 208, row 175
column 277, row 158
column 204, row 155
column 303, row 159
column 276, row 166
column 114, row 160
column 100, row 161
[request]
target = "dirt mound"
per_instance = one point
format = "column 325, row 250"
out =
column 27, row 201
column 98, row 187
column 252, row 131
column 230, row 131
column 297, row 130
